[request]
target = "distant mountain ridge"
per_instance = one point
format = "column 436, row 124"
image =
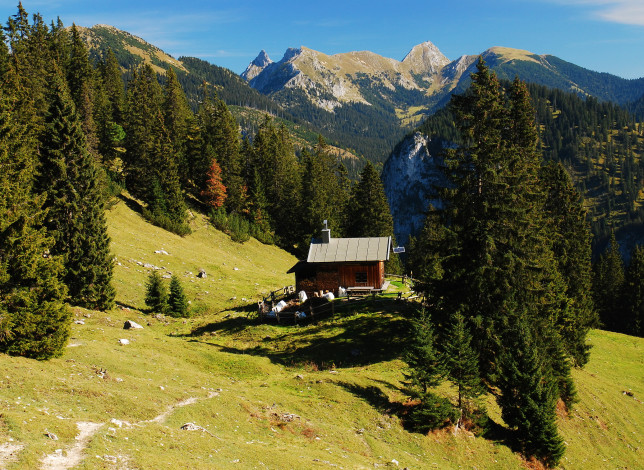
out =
column 425, row 69
column 335, row 92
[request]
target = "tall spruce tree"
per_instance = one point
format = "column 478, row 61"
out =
column 368, row 214
column 569, row 233
column 608, row 285
column 34, row 320
column 529, row 395
column 633, row 293
column 68, row 176
column 81, row 82
column 110, row 103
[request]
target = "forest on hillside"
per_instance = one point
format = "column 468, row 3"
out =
column 76, row 135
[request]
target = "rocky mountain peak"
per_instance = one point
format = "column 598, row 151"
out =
column 425, row 58
column 291, row 53
column 262, row 60
column 256, row 66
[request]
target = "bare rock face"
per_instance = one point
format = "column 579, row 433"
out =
column 425, row 59
column 256, row 66
column 408, row 177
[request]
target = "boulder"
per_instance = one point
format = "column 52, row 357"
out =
column 131, row 325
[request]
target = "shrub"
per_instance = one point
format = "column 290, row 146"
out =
column 239, row 228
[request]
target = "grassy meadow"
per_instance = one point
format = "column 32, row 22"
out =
column 325, row 395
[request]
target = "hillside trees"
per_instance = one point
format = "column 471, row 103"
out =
column 220, row 135
column 494, row 264
column 151, row 157
column 325, row 192
column 633, row 293
column 278, row 171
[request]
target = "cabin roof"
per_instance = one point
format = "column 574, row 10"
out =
column 350, row 249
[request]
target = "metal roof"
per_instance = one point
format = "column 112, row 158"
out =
column 350, row 249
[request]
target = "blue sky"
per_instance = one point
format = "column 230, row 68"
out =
column 601, row 35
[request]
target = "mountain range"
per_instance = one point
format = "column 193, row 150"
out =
column 365, row 105
column 360, row 100
column 403, row 93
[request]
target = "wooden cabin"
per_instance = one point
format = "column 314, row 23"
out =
column 342, row 262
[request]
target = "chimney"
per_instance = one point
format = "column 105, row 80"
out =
column 326, row 233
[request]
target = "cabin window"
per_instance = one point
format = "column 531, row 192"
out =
column 361, row 278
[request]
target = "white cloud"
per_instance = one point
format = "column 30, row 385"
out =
column 626, row 12
column 615, row 11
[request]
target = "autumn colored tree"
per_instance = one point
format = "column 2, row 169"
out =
column 215, row 192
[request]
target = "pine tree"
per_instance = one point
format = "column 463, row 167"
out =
column 633, row 293
column 423, row 359
column 81, row 82
column 529, row 395
column 569, row 233
column 110, row 102
column 34, row 321
column 461, row 361
column 68, row 176
column 177, row 300
column 156, row 293
column 177, row 116
column 608, row 285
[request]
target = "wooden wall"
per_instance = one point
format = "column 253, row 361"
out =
column 348, row 272
column 330, row 276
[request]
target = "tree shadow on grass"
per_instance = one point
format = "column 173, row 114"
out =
column 230, row 325
column 355, row 341
column 346, row 340
column 131, row 203
column 374, row 396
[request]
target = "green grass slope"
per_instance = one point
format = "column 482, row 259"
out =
column 234, row 272
column 323, row 395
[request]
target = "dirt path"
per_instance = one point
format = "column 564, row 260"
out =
column 74, row 455
column 188, row 401
column 9, row 453
column 163, row 416
column 66, row 459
